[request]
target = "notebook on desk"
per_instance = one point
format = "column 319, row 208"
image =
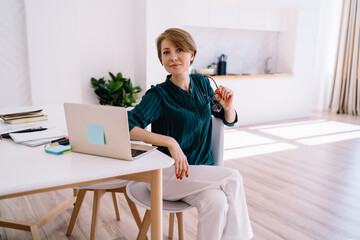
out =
column 101, row 130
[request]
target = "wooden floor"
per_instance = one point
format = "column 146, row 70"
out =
column 308, row 192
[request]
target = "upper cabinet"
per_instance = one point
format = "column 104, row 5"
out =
column 275, row 19
column 197, row 13
column 223, row 13
column 235, row 14
column 250, row 16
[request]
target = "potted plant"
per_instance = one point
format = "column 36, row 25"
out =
column 115, row 92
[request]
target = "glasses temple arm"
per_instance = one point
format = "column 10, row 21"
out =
column 214, row 82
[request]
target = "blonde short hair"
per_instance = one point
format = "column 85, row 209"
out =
column 179, row 38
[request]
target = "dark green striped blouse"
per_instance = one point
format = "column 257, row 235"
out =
column 186, row 117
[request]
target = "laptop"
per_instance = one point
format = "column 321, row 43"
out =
column 101, row 130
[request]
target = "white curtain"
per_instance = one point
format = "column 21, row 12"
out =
column 345, row 97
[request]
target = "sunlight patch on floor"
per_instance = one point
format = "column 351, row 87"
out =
column 256, row 150
column 286, row 124
column 237, row 138
column 241, row 143
column 329, row 138
column 311, row 130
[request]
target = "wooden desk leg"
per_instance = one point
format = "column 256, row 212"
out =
column 35, row 232
column 35, row 226
column 156, row 204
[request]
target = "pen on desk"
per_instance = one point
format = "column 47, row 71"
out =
column 7, row 135
column 60, row 139
column 64, row 142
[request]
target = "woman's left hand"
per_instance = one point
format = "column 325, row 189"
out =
column 225, row 96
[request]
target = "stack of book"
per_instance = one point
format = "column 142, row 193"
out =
column 24, row 117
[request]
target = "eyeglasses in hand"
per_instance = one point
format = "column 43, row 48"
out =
column 216, row 107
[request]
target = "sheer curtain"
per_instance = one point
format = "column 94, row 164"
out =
column 345, row 96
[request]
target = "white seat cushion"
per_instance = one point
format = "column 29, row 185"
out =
column 117, row 183
column 139, row 193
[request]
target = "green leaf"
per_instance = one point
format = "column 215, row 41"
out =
column 115, row 86
column 101, row 81
column 119, row 76
column 112, row 76
column 104, row 88
column 130, row 84
column 123, row 95
column 103, row 101
column 112, row 85
column 115, row 97
column 103, row 95
column 136, row 89
column 94, row 82
column 118, row 85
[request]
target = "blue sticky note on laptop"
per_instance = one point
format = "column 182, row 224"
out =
column 95, row 133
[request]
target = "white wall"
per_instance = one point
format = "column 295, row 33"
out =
column 287, row 43
column 71, row 41
column 53, row 51
column 160, row 15
column 140, row 43
column 105, row 42
column 14, row 71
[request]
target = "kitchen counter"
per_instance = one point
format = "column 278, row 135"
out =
column 232, row 76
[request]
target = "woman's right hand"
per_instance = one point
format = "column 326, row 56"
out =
column 181, row 163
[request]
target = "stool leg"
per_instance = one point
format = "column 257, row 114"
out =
column 35, row 232
column 171, row 224
column 133, row 210
column 96, row 204
column 144, row 226
column 75, row 192
column 117, row 213
column 179, row 216
column 75, row 213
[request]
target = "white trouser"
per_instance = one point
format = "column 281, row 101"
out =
column 218, row 194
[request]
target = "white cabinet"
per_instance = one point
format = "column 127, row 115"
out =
column 251, row 17
column 235, row 14
column 261, row 17
column 275, row 19
column 223, row 14
column 197, row 13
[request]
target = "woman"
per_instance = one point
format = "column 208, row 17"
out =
column 179, row 111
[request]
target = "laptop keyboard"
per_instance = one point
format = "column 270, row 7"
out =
column 136, row 152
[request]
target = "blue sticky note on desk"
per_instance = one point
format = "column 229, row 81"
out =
column 95, row 133
column 59, row 149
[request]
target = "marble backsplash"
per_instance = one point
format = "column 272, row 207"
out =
column 247, row 51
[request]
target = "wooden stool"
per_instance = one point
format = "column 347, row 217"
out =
column 99, row 189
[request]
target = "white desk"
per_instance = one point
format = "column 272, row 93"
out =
column 26, row 170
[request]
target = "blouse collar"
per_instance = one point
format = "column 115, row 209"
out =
column 176, row 88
